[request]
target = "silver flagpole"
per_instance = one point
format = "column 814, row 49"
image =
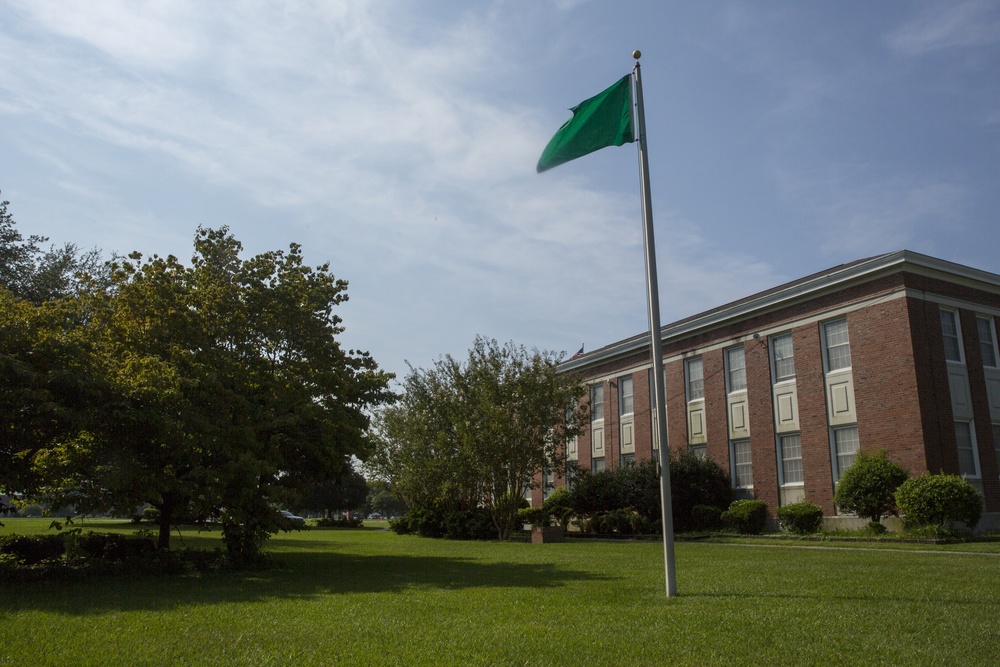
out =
column 655, row 344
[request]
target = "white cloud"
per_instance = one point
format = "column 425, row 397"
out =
column 948, row 25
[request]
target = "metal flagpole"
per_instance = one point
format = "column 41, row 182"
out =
column 655, row 344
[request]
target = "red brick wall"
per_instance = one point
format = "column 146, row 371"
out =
column 814, row 433
column 761, row 410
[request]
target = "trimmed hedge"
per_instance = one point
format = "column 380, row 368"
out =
column 937, row 499
column 746, row 516
column 801, row 518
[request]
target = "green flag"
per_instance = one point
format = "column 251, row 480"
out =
column 603, row 120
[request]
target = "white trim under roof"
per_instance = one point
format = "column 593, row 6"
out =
column 832, row 280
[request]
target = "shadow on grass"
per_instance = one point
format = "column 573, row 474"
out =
column 300, row 576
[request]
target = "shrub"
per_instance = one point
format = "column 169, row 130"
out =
column 801, row 518
column 746, row 516
column 937, row 499
column 330, row 522
column 33, row 549
column 536, row 516
column 695, row 481
column 706, row 517
column 867, row 488
column 559, row 506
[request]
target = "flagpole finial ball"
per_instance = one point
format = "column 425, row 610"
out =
column 637, row 54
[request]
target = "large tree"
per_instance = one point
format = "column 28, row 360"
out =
column 231, row 393
column 478, row 431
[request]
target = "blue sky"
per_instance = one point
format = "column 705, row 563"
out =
column 397, row 140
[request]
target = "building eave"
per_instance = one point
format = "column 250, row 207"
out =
column 832, row 280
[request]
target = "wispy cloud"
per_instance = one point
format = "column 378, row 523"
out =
column 948, row 25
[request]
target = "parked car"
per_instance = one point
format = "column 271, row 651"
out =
column 294, row 519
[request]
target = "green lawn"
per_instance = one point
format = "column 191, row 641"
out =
column 368, row 597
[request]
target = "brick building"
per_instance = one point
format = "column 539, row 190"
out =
column 782, row 388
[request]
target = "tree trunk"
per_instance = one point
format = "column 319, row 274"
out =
column 166, row 518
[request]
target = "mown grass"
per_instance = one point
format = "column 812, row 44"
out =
column 368, row 597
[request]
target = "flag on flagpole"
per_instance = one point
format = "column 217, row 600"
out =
column 601, row 121
column 578, row 354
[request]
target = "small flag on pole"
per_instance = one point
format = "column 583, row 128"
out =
column 601, row 121
column 578, row 354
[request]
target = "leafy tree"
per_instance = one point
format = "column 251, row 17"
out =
column 38, row 275
column 382, row 500
column 230, row 393
column 346, row 492
column 867, row 488
column 477, row 432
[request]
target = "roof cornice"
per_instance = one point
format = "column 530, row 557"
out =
column 789, row 294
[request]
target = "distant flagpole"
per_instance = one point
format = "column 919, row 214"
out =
column 655, row 344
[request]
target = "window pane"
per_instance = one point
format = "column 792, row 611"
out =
column 701, row 451
column 838, row 345
column 986, row 345
column 737, row 369
column 597, row 465
column 696, row 381
column 966, row 450
column 742, row 464
column 949, row 331
column 625, row 391
column 784, row 359
column 596, row 402
column 845, row 442
column 996, row 439
column 791, row 459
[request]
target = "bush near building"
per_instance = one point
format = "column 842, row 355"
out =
column 746, row 516
column 930, row 500
column 868, row 487
column 801, row 518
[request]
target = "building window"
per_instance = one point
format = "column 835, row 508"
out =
column 597, row 465
column 548, row 483
column 695, row 379
column 700, row 451
column 784, row 358
column 965, row 440
column 952, row 336
column 838, row 345
column 736, row 370
column 987, row 341
column 628, row 460
column 790, row 453
column 996, row 440
column 742, row 464
column 597, row 402
column 625, row 401
column 845, row 448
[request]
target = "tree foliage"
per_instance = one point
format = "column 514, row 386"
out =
column 215, row 389
column 867, row 488
column 476, row 432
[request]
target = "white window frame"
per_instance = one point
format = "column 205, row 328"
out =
column 596, row 390
column 973, row 450
column 739, row 370
column 956, row 321
column 996, row 441
column 734, row 457
column 828, row 347
column 701, row 451
column 991, row 343
column 837, row 456
column 689, row 379
column 623, row 408
column 782, row 460
column 774, row 343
